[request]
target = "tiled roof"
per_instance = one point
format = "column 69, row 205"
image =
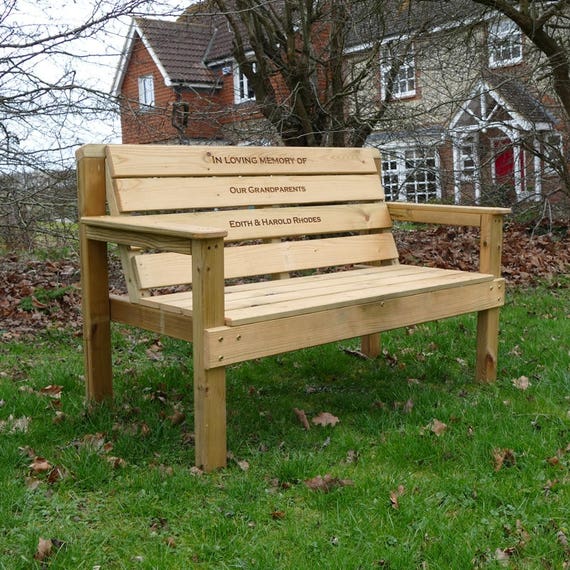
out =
column 180, row 47
column 519, row 97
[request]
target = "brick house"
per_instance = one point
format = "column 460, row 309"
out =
column 466, row 123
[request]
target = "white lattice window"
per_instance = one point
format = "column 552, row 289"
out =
column 146, row 92
column 467, row 159
column 404, row 80
column 505, row 44
column 243, row 91
column 390, row 176
column 411, row 175
column 421, row 175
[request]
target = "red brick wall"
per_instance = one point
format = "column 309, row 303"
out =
column 143, row 126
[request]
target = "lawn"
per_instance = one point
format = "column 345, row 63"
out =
column 423, row 470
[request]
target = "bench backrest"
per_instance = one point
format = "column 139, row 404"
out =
column 285, row 209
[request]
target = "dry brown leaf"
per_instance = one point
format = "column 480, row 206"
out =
column 177, row 417
column 437, row 427
column 56, row 474
column 357, row 353
column 116, row 462
column 302, row 417
column 395, row 495
column 40, row 465
column 327, row 483
column 277, row 515
column 52, row 390
column 325, row 419
column 171, row 542
column 45, row 546
column 94, row 441
column 243, row 465
column 503, row 458
column 522, row 383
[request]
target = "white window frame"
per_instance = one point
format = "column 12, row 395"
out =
column 405, row 82
column 505, row 44
column 146, row 92
column 552, row 151
column 419, row 183
column 241, row 86
column 467, row 159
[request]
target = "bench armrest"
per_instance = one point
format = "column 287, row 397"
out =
column 147, row 232
column 442, row 213
column 489, row 220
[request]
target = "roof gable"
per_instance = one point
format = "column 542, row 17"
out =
column 177, row 48
column 502, row 99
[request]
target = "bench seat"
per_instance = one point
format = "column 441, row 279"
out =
column 267, row 300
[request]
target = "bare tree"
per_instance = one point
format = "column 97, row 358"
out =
column 49, row 104
column 294, row 54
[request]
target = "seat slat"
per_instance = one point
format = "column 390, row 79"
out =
column 296, row 296
column 137, row 161
column 166, row 269
column 149, row 194
column 345, row 298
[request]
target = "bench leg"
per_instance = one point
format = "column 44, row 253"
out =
column 370, row 345
column 96, row 321
column 487, row 345
column 210, row 418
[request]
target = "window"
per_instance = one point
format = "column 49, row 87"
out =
column 411, row 175
column 505, row 44
column 243, row 91
column 404, row 81
column 467, row 164
column 146, row 92
column 390, row 177
column 552, row 152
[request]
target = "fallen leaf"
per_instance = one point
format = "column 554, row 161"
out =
column 327, row 483
column 56, row 474
column 302, row 417
column 351, row 456
column 357, row 353
column 522, row 383
column 277, row 515
column 171, row 542
column 503, row 458
column 325, row 419
column 44, row 549
column 395, row 495
column 52, row 390
column 243, row 465
column 437, row 427
column 40, row 465
column 503, row 556
column 177, row 417
column 116, row 462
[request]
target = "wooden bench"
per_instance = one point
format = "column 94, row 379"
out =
column 255, row 215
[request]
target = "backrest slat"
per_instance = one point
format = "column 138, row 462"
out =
column 284, row 209
column 266, row 223
column 141, row 161
column 160, row 194
column 165, row 269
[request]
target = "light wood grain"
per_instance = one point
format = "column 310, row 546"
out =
column 148, row 194
column 163, row 270
column 246, row 342
column 138, row 161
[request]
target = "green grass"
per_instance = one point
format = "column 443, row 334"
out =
column 455, row 510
